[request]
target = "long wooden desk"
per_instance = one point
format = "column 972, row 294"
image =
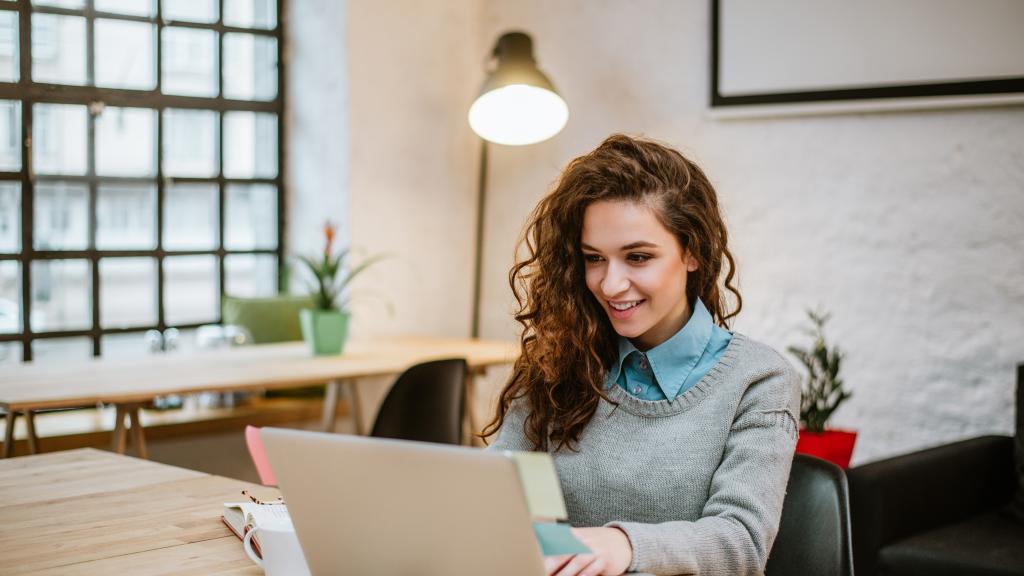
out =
column 128, row 383
column 92, row 512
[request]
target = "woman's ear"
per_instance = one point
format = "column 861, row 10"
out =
column 690, row 262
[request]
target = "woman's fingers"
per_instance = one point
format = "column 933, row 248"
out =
column 582, row 565
column 553, row 564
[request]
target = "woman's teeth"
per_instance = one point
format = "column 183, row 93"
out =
column 621, row 306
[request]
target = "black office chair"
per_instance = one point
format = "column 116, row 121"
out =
column 814, row 534
column 426, row 403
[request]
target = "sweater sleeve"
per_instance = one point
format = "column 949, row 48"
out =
column 512, row 435
column 741, row 517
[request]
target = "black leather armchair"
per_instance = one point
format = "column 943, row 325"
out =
column 938, row 512
column 952, row 510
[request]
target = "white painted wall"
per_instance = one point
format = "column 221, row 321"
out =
column 908, row 226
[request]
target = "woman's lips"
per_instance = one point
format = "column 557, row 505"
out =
column 624, row 314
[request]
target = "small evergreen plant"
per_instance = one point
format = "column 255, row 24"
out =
column 823, row 390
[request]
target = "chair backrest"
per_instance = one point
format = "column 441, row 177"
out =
column 270, row 319
column 426, row 403
column 814, row 534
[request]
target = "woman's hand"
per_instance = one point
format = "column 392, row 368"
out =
column 610, row 554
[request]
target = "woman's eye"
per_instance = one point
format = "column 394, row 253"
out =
column 591, row 258
column 638, row 258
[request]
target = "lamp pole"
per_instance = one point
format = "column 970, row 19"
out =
column 478, row 265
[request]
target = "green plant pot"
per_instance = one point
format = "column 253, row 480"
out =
column 324, row 331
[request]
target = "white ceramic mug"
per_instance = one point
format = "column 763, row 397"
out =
column 282, row 554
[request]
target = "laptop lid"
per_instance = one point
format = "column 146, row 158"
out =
column 374, row 506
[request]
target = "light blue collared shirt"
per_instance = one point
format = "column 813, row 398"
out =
column 675, row 365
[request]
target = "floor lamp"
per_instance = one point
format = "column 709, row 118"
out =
column 517, row 106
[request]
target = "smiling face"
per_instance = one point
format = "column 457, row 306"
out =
column 636, row 270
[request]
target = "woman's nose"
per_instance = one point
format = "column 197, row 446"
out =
column 615, row 281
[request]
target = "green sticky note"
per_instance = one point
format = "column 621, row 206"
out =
column 558, row 540
column 540, row 485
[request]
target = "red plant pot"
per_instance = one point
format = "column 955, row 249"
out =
column 836, row 446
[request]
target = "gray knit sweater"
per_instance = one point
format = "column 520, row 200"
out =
column 697, row 482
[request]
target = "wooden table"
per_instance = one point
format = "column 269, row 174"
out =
column 92, row 512
column 128, row 383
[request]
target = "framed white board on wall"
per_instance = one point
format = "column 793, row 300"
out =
column 865, row 54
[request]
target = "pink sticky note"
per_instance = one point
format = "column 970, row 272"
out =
column 259, row 456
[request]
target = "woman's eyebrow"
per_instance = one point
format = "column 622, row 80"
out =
column 633, row 246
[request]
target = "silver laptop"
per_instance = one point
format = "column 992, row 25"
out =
column 373, row 506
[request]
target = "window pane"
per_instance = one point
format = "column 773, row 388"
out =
column 61, row 292
column 133, row 7
column 58, row 49
column 250, row 71
column 58, row 138
column 51, row 350
column 190, row 62
column 250, row 13
column 60, row 218
column 10, row 217
column 250, row 145
column 250, row 217
column 190, row 142
column 10, row 135
column 126, row 217
column 127, row 292
column 125, row 142
column 130, row 345
column 9, row 71
column 60, row 3
column 191, row 10
column 190, row 217
column 10, row 352
column 191, row 292
column 250, row 275
column 10, row 298
column 125, row 54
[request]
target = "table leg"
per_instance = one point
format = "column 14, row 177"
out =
column 30, row 426
column 9, row 436
column 357, row 408
column 120, row 434
column 331, row 391
column 138, row 435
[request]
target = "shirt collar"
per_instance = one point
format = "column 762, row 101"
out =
column 673, row 360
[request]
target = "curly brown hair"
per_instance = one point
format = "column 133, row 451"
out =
column 567, row 342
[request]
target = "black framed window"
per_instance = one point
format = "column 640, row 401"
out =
column 140, row 167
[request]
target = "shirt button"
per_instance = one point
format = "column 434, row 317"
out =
column 643, row 363
column 638, row 390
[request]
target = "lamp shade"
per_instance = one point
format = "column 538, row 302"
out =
column 518, row 104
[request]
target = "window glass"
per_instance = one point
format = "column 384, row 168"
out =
column 61, row 295
column 250, row 145
column 60, row 216
column 127, row 292
column 59, row 134
column 253, row 71
column 125, row 54
column 10, row 217
column 189, row 62
column 58, row 49
column 250, row 217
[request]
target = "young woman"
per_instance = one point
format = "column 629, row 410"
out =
column 673, row 437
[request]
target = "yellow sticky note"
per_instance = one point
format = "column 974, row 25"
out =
column 540, row 485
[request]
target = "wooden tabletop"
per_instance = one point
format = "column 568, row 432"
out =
column 113, row 380
column 92, row 512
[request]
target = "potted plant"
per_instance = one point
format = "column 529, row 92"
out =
column 325, row 325
column 821, row 395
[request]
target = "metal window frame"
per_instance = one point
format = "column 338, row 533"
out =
column 29, row 93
